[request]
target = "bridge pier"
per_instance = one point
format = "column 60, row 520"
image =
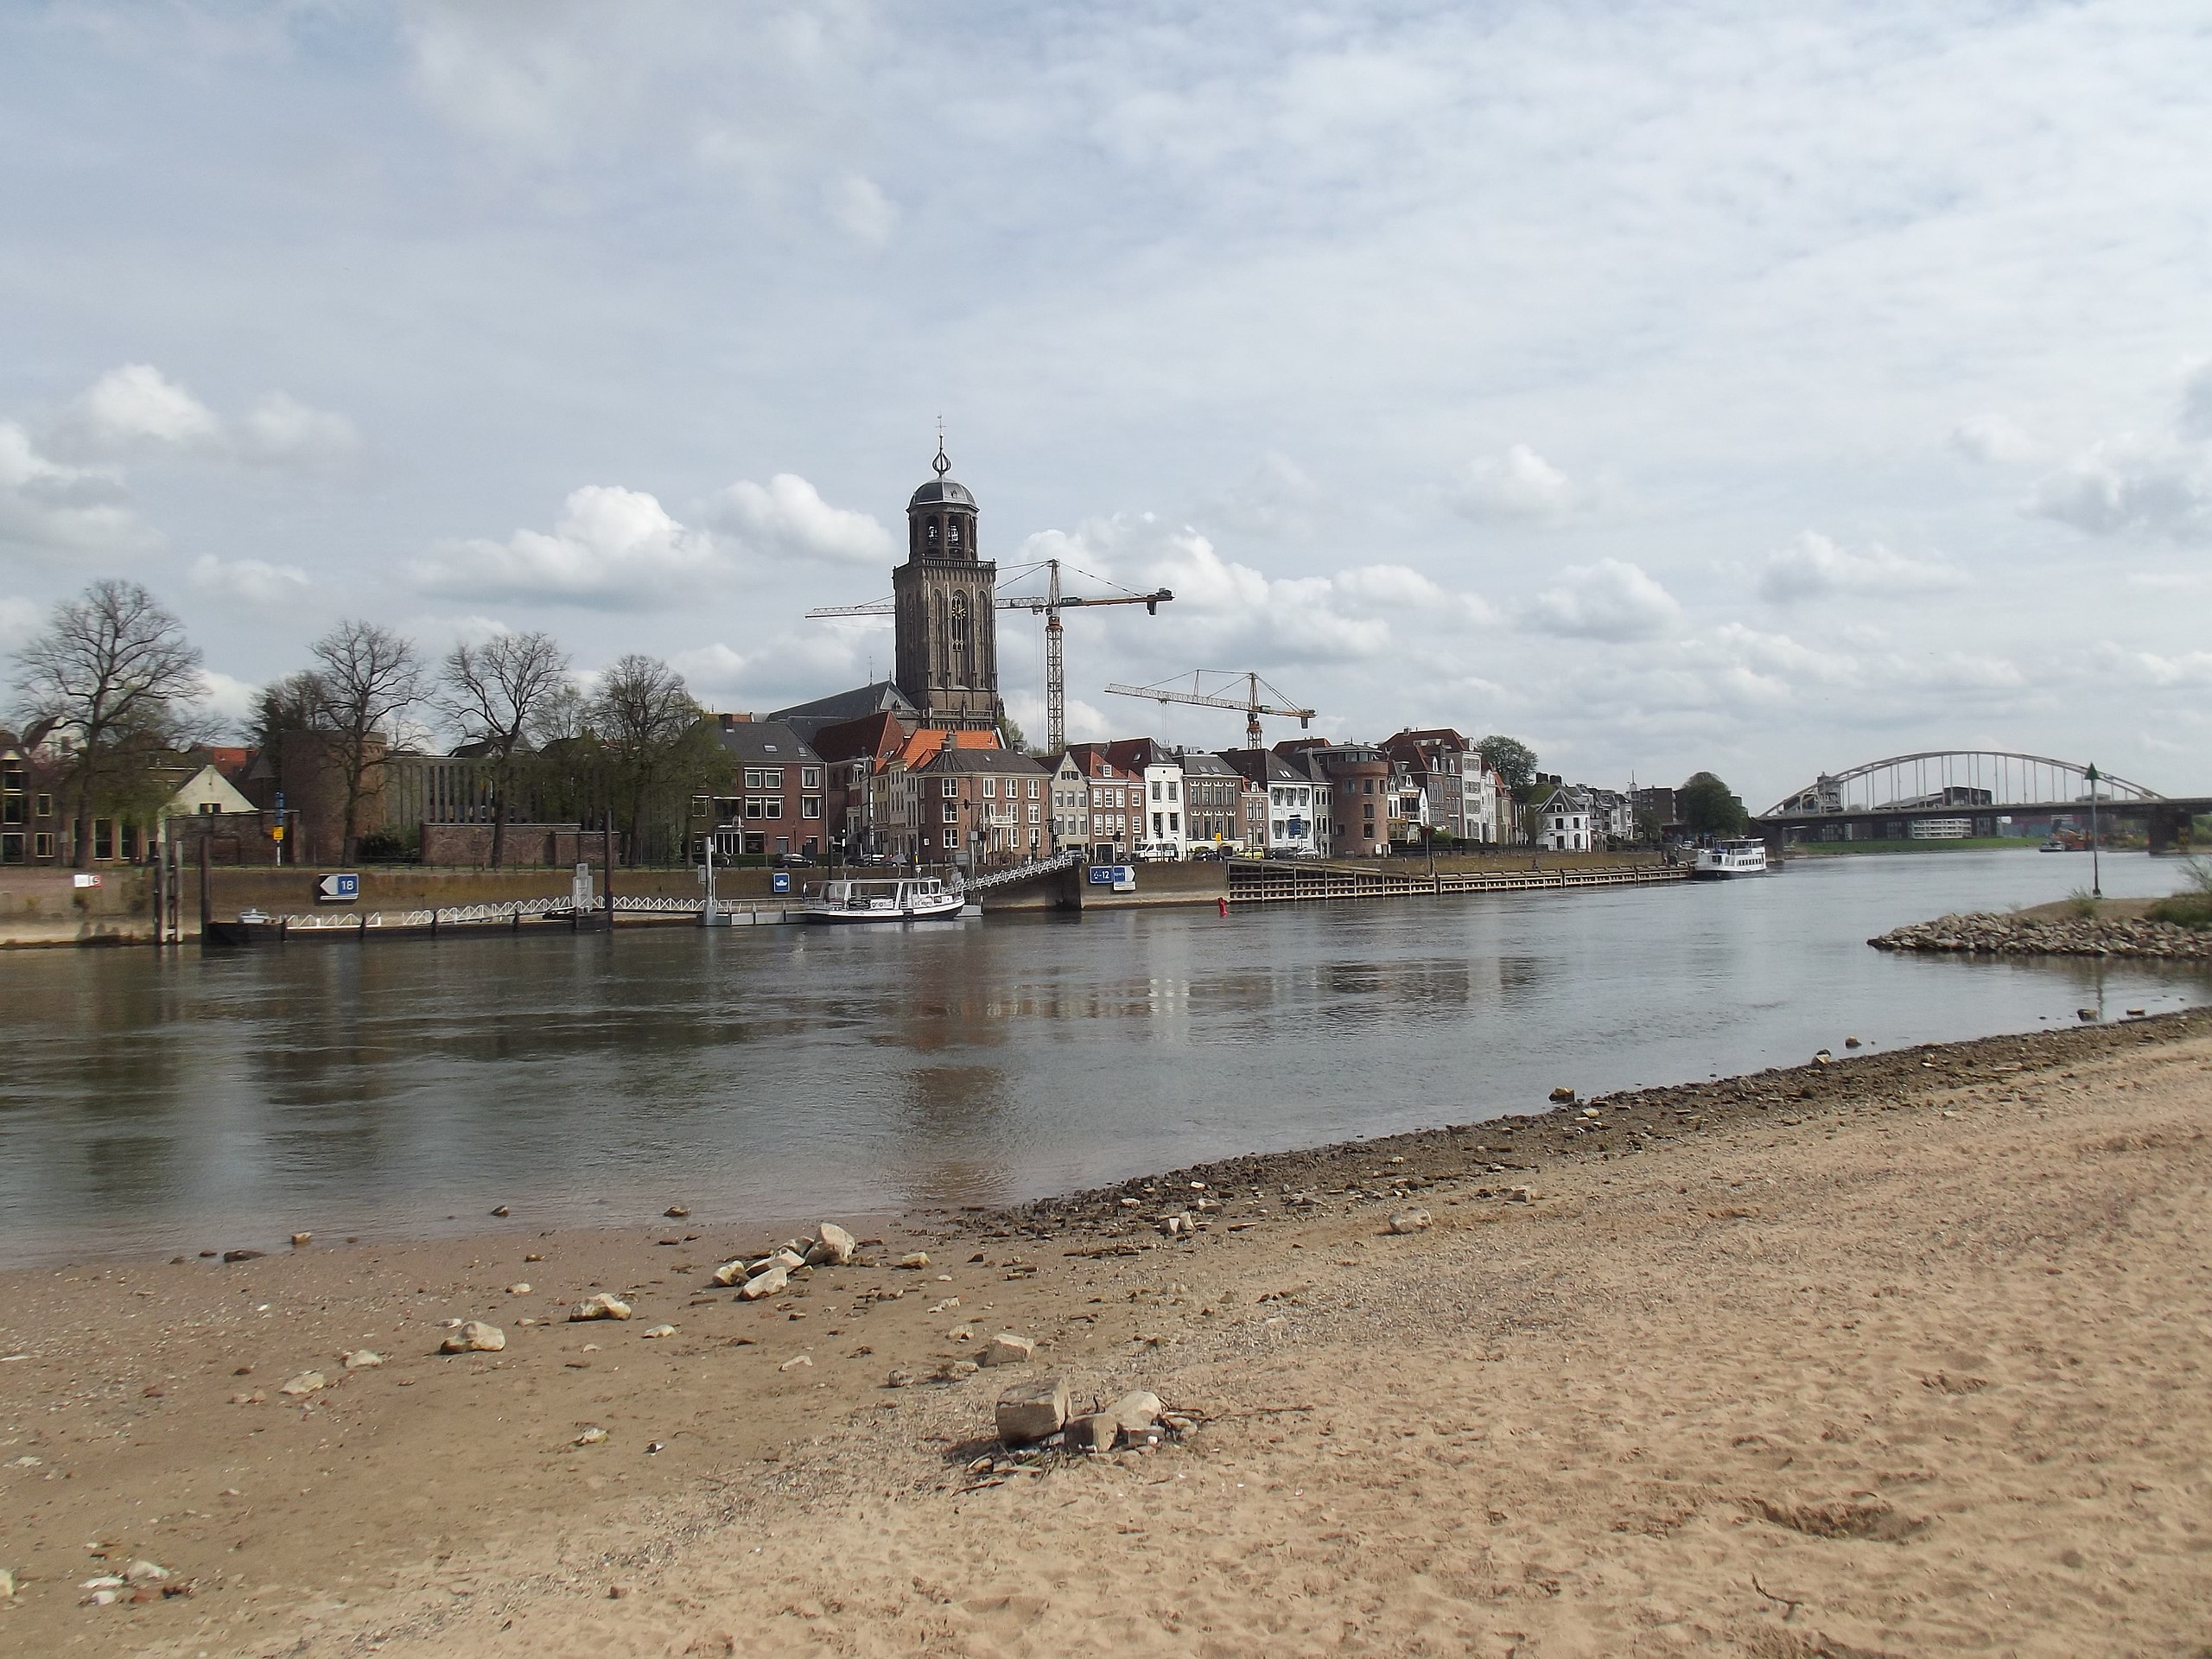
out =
column 2168, row 828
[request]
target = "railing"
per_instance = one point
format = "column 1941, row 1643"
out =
column 1035, row 867
column 1293, row 881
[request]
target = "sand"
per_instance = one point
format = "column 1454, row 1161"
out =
column 1905, row 1355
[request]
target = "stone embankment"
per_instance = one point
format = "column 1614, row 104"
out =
column 2043, row 936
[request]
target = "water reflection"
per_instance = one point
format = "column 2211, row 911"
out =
column 155, row 1104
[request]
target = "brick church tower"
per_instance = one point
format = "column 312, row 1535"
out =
column 947, row 658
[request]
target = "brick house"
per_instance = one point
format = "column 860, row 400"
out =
column 981, row 807
column 778, row 792
column 1284, row 795
column 1115, row 802
column 1212, row 801
column 1357, row 776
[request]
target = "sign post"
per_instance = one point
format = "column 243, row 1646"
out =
column 337, row 889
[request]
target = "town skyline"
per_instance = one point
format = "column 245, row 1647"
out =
column 639, row 335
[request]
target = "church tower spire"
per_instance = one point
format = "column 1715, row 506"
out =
column 947, row 622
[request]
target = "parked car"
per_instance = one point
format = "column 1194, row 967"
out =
column 1159, row 852
column 794, row 861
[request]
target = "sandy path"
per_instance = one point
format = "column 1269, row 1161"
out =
column 1903, row 1375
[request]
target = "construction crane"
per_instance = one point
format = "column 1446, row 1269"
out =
column 1219, row 698
column 1049, row 605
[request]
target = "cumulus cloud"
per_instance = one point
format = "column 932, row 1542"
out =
column 788, row 518
column 1518, row 486
column 136, row 410
column 49, row 507
column 255, row 580
column 2128, row 485
column 2191, row 668
column 1611, row 600
column 862, row 210
column 1995, row 439
column 611, row 547
column 2195, row 419
column 1812, row 566
column 229, row 700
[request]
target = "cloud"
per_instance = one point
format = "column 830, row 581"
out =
column 2191, row 668
column 1519, row 486
column 862, row 210
column 2126, row 485
column 611, row 547
column 19, row 619
column 229, row 700
column 788, row 518
column 1996, row 440
column 255, row 580
column 1812, row 565
column 1611, row 600
column 136, row 410
column 47, row 507
column 280, row 428
column 2195, row 419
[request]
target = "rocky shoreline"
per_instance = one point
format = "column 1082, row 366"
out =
column 2043, row 936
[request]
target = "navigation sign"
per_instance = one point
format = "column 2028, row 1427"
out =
column 337, row 889
column 1121, row 878
column 780, row 881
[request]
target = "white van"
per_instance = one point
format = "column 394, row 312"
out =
column 1159, row 852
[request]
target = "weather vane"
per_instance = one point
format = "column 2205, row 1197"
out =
column 941, row 466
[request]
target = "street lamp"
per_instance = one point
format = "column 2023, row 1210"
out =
column 2096, row 883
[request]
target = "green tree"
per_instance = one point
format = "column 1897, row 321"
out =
column 1710, row 808
column 1512, row 760
column 115, row 678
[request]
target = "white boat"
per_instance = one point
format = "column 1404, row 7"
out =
column 1730, row 858
column 900, row 899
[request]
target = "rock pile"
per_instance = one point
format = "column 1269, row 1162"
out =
column 2072, row 935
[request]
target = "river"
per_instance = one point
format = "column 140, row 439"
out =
column 152, row 1104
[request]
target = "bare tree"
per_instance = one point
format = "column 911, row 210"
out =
column 643, row 715
column 497, row 693
column 114, row 675
column 368, row 677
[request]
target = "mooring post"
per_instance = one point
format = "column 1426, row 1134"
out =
column 207, row 913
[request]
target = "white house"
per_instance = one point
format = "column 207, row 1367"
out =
column 1565, row 824
column 205, row 791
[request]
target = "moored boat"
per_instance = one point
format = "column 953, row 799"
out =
column 901, row 899
column 1726, row 859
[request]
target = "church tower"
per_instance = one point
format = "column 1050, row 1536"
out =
column 947, row 630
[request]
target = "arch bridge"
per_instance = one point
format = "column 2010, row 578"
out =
column 1949, row 792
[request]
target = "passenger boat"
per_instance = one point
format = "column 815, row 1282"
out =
column 1730, row 858
column 903, row 899
column 2055, row 845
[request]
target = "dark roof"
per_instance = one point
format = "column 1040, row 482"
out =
column 882, row 698
column 998, row 761
column 1263, row 766
column 766, row 742
column 941, row 492
column 1205, row 765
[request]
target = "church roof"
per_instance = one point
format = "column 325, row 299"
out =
column 940, row 492
column 883, row 697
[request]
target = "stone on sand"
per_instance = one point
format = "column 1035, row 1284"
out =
column 360, row 1359
column 833, row 1246
column 1029, row 1411
column 604, row 1306
column 1007, row 1349
column 1410, row 1221
column 1093, row 1432
column 914, row 1261
column 476, row 1337
column 1139, row 1408
column 730, row 1272
column 305, row 1383
column 659, row 1331
column 765, row 1284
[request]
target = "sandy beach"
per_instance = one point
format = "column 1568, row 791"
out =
column 1902, row 1354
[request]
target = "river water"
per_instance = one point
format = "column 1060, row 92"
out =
column 155, row 1104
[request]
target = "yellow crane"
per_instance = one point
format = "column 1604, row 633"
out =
column 1219, row 698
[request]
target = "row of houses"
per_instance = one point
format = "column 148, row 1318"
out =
column 862, row 775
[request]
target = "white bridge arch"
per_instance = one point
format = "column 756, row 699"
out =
column 1955, row 779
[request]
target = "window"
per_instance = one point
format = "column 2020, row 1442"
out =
column 12, row 779
column 42, row 845
column 951, row 813
column 1155, row 793
column 1370, row 785
column 952, row 841
column 1173, row 789
column 1174, row 824
column 11, row 809
column 1033, row 811
column 810, row 806
column 990, row 789
column 1370, row 812
column 44, row 808
column 1034, row 785
column 1158, row 832
column 11, row 850
column 102, row 837
column 945, row 787
column 810, row 777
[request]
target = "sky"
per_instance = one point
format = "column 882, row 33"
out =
column 1762, row 389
